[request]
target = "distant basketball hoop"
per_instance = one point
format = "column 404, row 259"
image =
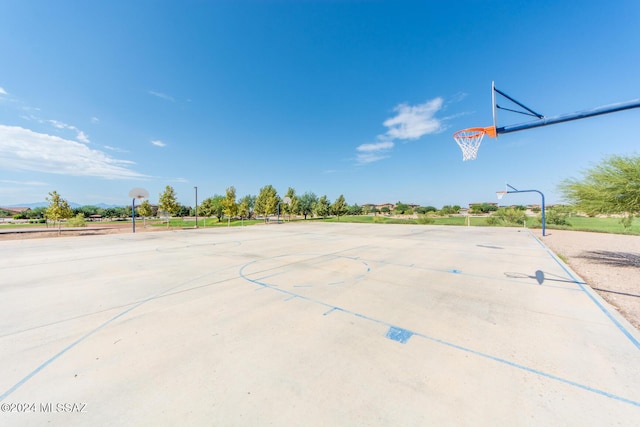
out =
column 136, row 193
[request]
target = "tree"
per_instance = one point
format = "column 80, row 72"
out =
column 293, row 207
column 402, row 209
column 205, row 209
column 354, row 210
column 449, row 210
column 339, row 207
column 58, row 209
column 245, row 209
column 230, row 207
column 212, row 206
column 322, row 207
column 145, row 211
column 168, row 202
column 36, row 213
column 611, row 187
column 423, row 210
column 505, row 216
column 481, row 208
column 267, row 201
column 183, row 211
column 306, row 204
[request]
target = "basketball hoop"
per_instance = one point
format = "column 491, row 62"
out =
column 470, row 139
column 500, row 194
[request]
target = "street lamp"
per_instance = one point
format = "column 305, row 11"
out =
column 196, row 206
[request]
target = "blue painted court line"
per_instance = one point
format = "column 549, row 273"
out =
column 448, row 344
column 590, row 295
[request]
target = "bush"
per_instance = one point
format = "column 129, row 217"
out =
column 423, row 219
column 77, row 221
column 510, row 216
column 555, row 217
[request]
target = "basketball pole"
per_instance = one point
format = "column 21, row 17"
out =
column 133, row 214
column 514, row 190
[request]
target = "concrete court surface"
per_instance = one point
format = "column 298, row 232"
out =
column 308, row 324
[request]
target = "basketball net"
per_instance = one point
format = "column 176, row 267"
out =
column 469, row 140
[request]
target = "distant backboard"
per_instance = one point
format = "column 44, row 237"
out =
column 138, row 193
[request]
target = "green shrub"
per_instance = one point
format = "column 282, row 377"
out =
column 507, row 216
column 555, row 217
column 77, row 221
column 424, row 219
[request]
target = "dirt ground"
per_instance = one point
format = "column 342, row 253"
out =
column 609, row 263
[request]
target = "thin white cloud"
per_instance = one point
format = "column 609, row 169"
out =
column 161, row 95
column 95, row 120
column 26, row 183
column 365, row 158
column 80, row 135
column 158, row 143
column 414, row 121
column 116, row 149
column 2, row 91
column 369, row 153
column 24, row 149
column 386, row 145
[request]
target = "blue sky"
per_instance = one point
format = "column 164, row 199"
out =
column 359, row 98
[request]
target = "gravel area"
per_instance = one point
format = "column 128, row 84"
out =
column 609, row 263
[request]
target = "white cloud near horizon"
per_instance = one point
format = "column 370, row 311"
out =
column 24, row 149
column 161, row 95
column 158, row 143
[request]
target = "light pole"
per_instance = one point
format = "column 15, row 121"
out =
column 515, row 190
column 196, row 206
